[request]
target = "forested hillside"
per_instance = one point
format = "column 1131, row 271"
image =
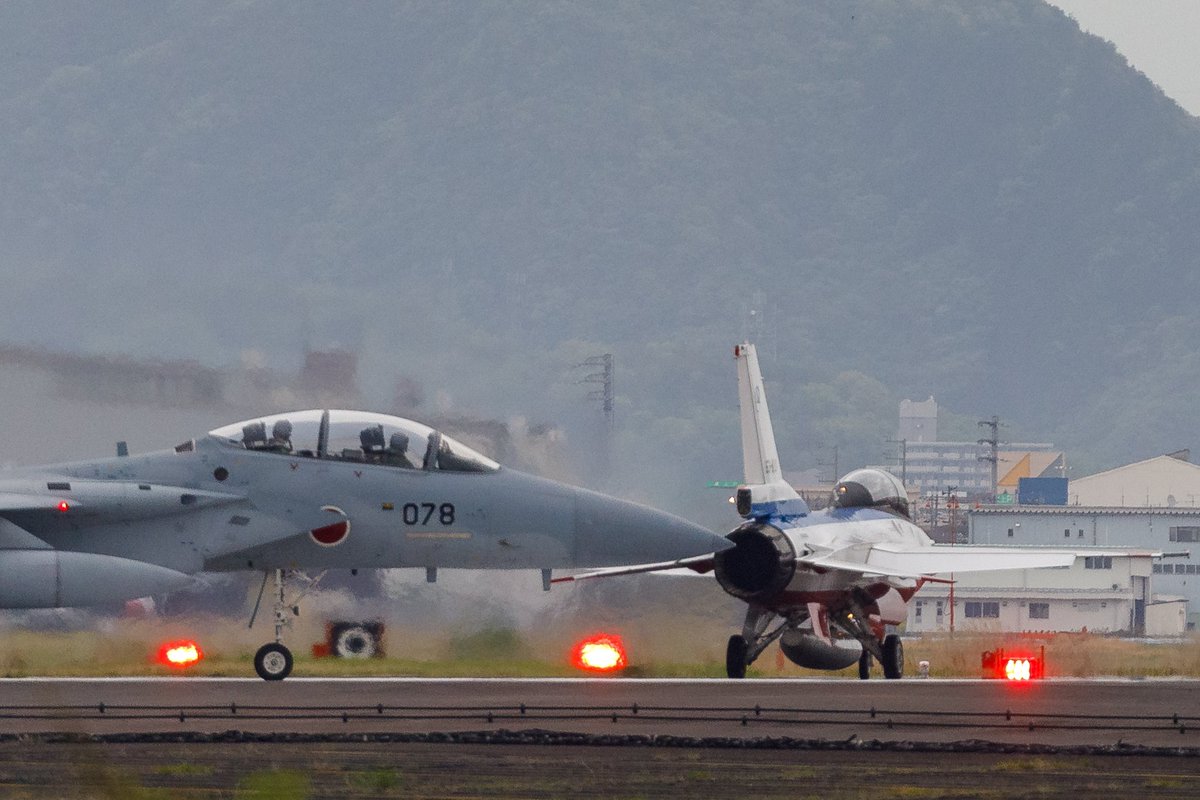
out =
column 970, row 200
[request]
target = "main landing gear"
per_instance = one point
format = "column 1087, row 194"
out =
column 816, row 648
column 273, row 661
column 744, row 649
column 893, row 656
column 735, row 657
column 891, row 652
column 864, row 665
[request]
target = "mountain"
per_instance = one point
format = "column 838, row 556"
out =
column 975, row 201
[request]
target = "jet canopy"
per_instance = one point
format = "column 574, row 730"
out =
column 871, row 488
column 358, row 436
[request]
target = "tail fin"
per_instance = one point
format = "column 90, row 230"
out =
column 760, row 459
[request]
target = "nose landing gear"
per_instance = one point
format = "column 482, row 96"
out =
column 273, row 661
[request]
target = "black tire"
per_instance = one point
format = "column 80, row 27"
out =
column 864, row 665
column 273, row 662
column 735, row 657
column 893, row 657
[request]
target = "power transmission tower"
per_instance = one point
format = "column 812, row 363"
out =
column 833, row 464
column 605, row 393
column 993, row 454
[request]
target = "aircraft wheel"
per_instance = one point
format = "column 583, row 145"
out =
column 273, row 662
column 864, row 665
column 735, row 657
column 354, row 641
column 893, row 657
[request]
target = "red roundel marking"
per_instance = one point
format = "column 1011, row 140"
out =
column 334, row 532
column 330, row 535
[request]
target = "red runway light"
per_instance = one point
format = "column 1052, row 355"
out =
column 180, row 654
column 1017, row 669
column 600, row 653
column 1020, row 667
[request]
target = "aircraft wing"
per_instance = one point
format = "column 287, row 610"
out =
column 14, row 501
column 915, row 562
column 696, row 565
column 883, row 560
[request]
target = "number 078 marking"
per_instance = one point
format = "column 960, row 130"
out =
column 424, row 513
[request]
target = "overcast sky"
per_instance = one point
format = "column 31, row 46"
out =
column 1157, row 36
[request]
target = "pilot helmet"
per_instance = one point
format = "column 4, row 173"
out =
column 372, row 437
column 254, row 433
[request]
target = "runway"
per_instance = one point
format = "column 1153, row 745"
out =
column 1061, row 712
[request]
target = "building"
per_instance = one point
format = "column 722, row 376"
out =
column 1159, row 529
column 1028, row 463
column 1165, row 481
column 918, row 421
column 932, row 467
column 1107, row 591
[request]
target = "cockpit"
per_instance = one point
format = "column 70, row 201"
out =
column 871, row 488
column 357, row 436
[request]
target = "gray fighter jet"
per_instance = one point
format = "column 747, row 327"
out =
column 310, row 490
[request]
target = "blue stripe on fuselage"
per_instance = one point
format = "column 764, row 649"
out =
column 830, row 515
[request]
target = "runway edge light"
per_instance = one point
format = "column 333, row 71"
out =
column 1015, row 667
column 602, row 653
column 180, row 654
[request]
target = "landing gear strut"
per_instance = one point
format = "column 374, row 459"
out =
column 273, row 661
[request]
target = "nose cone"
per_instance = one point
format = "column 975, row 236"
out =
column 611, row 532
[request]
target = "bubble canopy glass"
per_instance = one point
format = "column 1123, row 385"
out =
column 359, row 436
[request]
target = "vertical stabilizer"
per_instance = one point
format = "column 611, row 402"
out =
column 760, row 460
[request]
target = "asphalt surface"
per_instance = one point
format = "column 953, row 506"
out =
column 1063, row 712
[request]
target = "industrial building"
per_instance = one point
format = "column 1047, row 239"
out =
column 1107, row 591
column 1169, row 481
column 1150, row 505
column 1166, row 530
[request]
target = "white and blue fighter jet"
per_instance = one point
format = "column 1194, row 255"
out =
column 309, row 490
column 826, row 583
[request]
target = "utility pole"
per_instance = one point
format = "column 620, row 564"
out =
column 993, row 443
column 952, row 506
column 903, row 458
